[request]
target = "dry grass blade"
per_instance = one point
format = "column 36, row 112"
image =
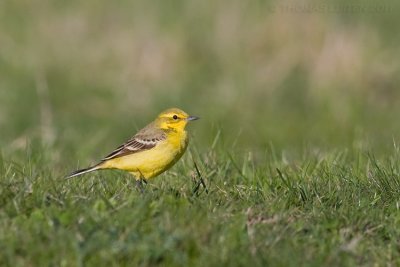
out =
column 200, row 182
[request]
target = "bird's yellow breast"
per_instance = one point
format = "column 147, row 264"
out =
column 149, row 163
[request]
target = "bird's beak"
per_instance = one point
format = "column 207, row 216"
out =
column 192, row 118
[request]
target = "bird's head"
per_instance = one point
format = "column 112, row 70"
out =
column 174, row 119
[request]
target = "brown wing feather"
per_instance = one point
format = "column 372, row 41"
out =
column 145, row 139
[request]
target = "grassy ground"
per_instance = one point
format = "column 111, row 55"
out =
column 336, row 209
column 297, row 143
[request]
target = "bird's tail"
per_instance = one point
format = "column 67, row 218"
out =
column 83, row 171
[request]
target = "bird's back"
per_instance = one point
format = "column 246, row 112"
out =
column 149, row 163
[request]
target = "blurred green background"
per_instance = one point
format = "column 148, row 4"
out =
column 82, row 76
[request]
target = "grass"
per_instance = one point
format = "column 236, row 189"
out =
column 297, row 143
column 336, row 209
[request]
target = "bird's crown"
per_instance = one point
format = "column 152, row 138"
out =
column 172, row 113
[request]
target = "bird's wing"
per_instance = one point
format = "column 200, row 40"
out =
column 145, row 139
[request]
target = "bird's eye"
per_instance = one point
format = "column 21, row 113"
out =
column 175, row 117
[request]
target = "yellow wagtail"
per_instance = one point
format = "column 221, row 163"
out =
column 153, row 150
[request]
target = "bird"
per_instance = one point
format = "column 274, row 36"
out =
column 152, row 150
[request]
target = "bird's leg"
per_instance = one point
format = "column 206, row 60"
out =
column 139, row 185
column 140, row 181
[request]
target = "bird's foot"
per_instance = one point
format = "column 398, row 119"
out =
column 139, row 184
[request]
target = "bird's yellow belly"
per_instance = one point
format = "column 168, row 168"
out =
column 149, row 163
